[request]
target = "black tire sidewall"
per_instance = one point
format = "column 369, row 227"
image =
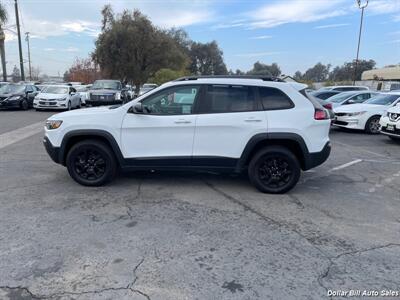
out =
column 24, row 104
column 108, row 156
column 367, row 127
column 260, row 156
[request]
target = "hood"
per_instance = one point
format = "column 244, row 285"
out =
column 10, row 95
column 395, row 109
column 103, row 92
column 359, row 107
column 52, row 96
column 83, row 112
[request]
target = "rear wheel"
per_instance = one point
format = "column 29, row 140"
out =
column 274, row 170
column 372, row 126
column 91, row 163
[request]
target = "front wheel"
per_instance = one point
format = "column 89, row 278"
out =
column 24, row 104
column 274, row 170
column 91, row 163
column 69, row 105
column 372, row 126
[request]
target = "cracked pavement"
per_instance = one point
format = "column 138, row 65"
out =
column 198, row 235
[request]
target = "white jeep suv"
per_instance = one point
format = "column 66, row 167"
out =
column 231, row 123
column 390, row 122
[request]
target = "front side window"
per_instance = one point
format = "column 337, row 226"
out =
column 273, row 99
column 228, row 99
column 175, row 101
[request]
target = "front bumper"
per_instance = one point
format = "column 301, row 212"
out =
column 347, row 122
column 101, row 102
column 52, row 104
column 314, row 159
column 53, row 152
column 384, row 122
column 10, row 104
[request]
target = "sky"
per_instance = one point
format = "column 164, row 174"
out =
column 296, row 34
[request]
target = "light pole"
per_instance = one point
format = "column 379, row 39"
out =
column 362, row 7
column 21, row 60
column 29, row 56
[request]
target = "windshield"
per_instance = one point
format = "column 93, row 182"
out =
column 12, row 89
column 383, row 99
column 108, row 85
column 339, row 98
column 80, row 88
column 149, row 86
column 56, row 90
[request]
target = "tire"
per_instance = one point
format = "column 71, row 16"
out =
column 80, row 103
column 286, row 176
column 24, row 104
column 372, row 126
column 91, row 163
column 69, row 105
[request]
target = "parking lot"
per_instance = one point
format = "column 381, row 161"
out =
column 177, row 236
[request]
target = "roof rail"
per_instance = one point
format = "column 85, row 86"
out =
column 261, row 77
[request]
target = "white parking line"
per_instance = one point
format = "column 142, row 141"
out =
column 360, row 150
column 19, row 134
column 346, row 165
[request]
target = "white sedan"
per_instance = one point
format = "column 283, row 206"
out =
column 365, row 116
column 57, row 97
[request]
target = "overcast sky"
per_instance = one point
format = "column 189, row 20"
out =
column 294, row 33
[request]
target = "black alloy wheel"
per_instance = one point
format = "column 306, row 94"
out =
column 274, row 170
column 24, row 104
column 91, row 163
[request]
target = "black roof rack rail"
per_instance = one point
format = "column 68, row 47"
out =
column 261, row 77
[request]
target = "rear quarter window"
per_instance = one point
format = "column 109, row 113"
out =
column 274, row 99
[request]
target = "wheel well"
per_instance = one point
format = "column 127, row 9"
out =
column 291, row 145
column 76, row 139
column 374, row 116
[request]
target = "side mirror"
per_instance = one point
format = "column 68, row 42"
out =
column 138, row 108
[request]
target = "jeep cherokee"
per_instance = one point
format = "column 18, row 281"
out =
column 233, row 123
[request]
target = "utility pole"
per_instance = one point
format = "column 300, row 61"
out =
column 29, row 56
column 362, row 7
column 21, row 60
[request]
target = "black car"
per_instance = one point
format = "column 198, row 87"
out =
column 107, row 92
column 18, row 95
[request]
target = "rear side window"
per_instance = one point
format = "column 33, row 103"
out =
column 325, row 96
column 274, row 99
column 228, row 99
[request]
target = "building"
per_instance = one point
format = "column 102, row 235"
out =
column 384, row 79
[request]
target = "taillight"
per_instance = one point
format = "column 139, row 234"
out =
column 320, row 114
column 328, row 106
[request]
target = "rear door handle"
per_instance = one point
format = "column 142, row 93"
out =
column 182, row 121
column 252, row 120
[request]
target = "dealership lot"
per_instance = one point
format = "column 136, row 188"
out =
column 196, row 236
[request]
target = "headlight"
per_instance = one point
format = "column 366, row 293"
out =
column 62, row 99
column 53, row 124
column 359, row 113
column 117, row 96
column 12, row 98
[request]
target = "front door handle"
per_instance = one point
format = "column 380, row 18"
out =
column 182, row 121
column 252, row 120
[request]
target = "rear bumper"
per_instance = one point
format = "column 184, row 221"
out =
column 53, row 152
column 314, row 159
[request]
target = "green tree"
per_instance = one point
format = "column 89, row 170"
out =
column 16, row 74
column 3, row 20
column 132, row 49
column 318, row 73
column 298, row 75
column 264, row 69
column 206, row 59
column 346, row 71
column 165, row 75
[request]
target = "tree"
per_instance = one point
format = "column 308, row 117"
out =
column 263, row 69
column 3, row 20
column 16, row 75
column 317, row 73
column 206, row 59
column 165, row 75
column 298, row 75
column 131, row 48
column 83, row 70
column 346, row 71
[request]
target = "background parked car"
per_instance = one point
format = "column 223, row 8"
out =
column 327, row 106
column 3, row 83
column 147, row 87
column 107, row 92
column 344, row 88
column 390, row 123
column 325, row 94
column 17, row 95
column 82, row 90
column 365, row 116
column 353, row 97
column 58, row 97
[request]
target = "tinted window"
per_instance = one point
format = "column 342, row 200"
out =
column 326, row 95
column 228, row 98
column 272, row 99
column 29, row 89
column 175, row 101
